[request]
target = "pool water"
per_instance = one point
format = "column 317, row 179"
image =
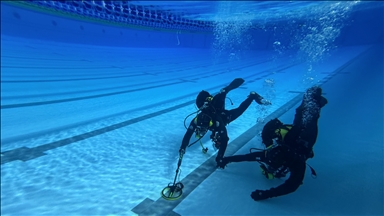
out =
column 93, row 107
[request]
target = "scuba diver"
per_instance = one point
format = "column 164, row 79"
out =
column 213, row 116
column 287, row 146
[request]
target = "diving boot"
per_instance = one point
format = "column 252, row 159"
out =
column 260, row 100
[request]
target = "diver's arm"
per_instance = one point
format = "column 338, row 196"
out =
column 187, row 136
column 254, row 156
column 219, row 99
column 223, row 140
column 295, row 179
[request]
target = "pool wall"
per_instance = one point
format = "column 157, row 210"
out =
column 362, row 28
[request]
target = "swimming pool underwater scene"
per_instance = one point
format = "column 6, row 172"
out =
column 168, row 108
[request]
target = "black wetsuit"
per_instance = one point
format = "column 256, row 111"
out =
column 293, row 154
column 277, row 157
column 220, row 118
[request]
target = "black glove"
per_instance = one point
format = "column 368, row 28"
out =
column 258, row 195
column 323, row 101
column 222, row 163
column 260, row 100
column 266, row 102
column 181, row 151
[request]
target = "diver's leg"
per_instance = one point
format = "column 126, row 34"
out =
column 233, row 85
column 306, row 126
column 235, row 113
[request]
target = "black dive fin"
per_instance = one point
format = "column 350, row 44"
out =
column 234, row 84
column 323, row 101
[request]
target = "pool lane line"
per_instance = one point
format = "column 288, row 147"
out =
column 73, row 79
column 151, row 72
column 10, row 106
column 118, row 75
column 45, row 59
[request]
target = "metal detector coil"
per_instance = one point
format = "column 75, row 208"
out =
column 172, row 191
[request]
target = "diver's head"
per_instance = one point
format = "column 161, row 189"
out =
column 202, row 98
column 269, row 131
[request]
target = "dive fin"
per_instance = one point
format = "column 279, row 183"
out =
column 234, row 84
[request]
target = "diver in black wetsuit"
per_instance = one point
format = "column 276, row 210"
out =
column 292, row 148
column 214, row 117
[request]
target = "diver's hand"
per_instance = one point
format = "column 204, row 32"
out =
column 182, row 151
column 258, row 195
column 222, row 163
column 265, row 102
column 259, row 99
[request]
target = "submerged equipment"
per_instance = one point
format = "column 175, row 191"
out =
column 199, row 132
column 174, row 190
column 273, row 135
column 203, row 121
column 270, row 173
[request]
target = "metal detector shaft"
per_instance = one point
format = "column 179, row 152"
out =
column 178, row 167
